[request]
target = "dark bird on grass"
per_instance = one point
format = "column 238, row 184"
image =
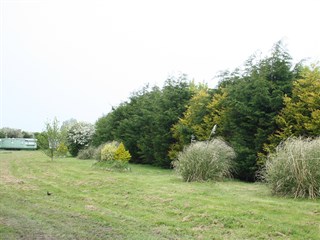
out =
column 49, row 193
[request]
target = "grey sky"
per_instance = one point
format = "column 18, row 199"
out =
column 76, row 59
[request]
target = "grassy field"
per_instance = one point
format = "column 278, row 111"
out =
column 146, row 203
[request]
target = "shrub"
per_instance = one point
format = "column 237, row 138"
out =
column 107, row 152
column 203, row 161
column 121, row 154
column 114, row 156
column 42, row 140
column 87, row 153
column 121, row 157
column 10, row 133
column 97, row 152
column 62, row 150
column 294, row 168
column 79, row 136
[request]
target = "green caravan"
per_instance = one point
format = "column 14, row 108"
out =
column 18, row 143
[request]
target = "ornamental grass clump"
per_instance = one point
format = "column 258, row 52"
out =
column 294, row 168
column 202, row 161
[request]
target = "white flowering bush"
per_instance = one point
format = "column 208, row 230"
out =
column 79, row 136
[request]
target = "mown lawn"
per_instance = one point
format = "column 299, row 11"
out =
column 146, row 203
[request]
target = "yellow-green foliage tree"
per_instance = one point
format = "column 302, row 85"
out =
column 205, row 110
column 121, row 154
column 216, row 112
column 192, row 122
column 301, row 113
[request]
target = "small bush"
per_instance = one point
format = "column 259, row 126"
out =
column 107, row 152
column 114, row 156
column 62, row 150
column 121, row 157
column 87, row 153
column 203, row 161
column 79, row 136
column 294, row 168
column 121, row 154
column 97, row 152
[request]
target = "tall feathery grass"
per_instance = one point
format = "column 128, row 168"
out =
column 294, row 168
column 203, row 161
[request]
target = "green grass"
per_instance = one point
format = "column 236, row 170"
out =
column 146, row 203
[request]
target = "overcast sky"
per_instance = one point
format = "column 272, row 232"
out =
column 76, row 59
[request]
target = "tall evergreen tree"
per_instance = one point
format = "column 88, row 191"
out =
column 103, row 131
column 172, row 104
column 253, row 102
column 143, row 123
column 192, row 125
column 301, row 113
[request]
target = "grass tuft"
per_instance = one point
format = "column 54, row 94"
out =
column 202, row 161
column 294, row 168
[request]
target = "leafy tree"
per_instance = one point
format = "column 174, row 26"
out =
column 50, row 139
column 136, row 130
column 216, row 112
column 42, row 140
column 169, row 108
column 66, row 125
column 192, row 124
column 11, row 133
column 254, row 100
column 2, row 134
column 103, row 129
column 143, row 124
column 27, row 134
column 301, row 113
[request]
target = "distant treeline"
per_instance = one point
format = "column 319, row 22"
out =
column 255, row 108
column 14, row 133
